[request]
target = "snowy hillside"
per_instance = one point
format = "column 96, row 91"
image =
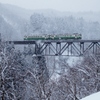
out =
column 95, row 96
column 28, row 22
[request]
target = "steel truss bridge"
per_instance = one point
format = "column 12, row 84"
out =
column 63, row 47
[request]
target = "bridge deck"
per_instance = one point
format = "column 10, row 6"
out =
column 55, row 41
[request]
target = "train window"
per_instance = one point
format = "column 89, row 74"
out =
column 25, row 36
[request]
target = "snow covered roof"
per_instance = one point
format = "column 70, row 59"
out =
column 95, row 96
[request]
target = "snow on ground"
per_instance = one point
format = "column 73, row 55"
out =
column 95, row 96
column 74, row 60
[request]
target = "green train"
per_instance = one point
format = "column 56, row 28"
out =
column 54, row 37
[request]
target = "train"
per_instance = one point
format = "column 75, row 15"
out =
column 53, row 37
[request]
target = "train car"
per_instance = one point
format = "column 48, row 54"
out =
column 54, row 37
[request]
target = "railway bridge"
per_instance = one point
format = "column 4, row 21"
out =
column 63, row 47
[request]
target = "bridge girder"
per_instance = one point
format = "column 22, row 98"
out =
column 65, row 48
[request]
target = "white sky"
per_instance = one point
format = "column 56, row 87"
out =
column 61, row 5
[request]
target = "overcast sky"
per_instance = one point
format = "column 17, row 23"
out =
column 61, row 5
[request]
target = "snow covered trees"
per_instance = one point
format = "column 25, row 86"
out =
column 19, row 79
column 36, row 21
column 11, row 74
column 79, row 80
column 25, row 75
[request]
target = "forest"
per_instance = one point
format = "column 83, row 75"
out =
column 26, row 76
